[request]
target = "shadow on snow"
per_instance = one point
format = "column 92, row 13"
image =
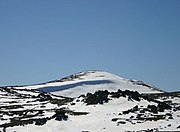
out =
column 68, row 86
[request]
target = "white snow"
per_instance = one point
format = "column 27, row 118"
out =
column 100, row 117
column 92, row 81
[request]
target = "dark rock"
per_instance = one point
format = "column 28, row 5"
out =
column 41, row 121
column 77, row 100
column 99, row 97
column 81, row 96
column 169, row 125
column 170, row 117
column 168, row 114
column 178, row 127
column 60, row 102
column 115, row 119
column 44, row 97
column 174, row 109
column 152, row 108
column 121, row 122
column 135, row 108
column 131, row 117
column 132, row 95
column 142, row 111
column 42, row 106
column 116, row 94
column 163, row 106
column 73, row 103
column 60, row 115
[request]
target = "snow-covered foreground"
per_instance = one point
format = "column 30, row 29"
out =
column 117, row 107
column 118, row 114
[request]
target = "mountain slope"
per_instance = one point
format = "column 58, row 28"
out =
column 94, row 112
column 95, row 101
column 91, row 81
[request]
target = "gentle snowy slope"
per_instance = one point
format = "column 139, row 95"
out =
column 92, row 101
column 91, row 81
column 119, row 114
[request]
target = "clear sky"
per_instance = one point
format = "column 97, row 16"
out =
column 42, row 40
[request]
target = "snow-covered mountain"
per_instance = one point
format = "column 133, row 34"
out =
column 91, row 81
column 92, row 101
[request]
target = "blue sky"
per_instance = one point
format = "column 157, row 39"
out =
column 42, row 40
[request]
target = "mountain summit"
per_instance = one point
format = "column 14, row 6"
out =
column 91, row 81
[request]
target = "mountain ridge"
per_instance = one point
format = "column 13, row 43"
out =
column 91, row 81
column 77, row 74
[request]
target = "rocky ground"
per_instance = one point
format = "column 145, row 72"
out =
column 20, row 108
